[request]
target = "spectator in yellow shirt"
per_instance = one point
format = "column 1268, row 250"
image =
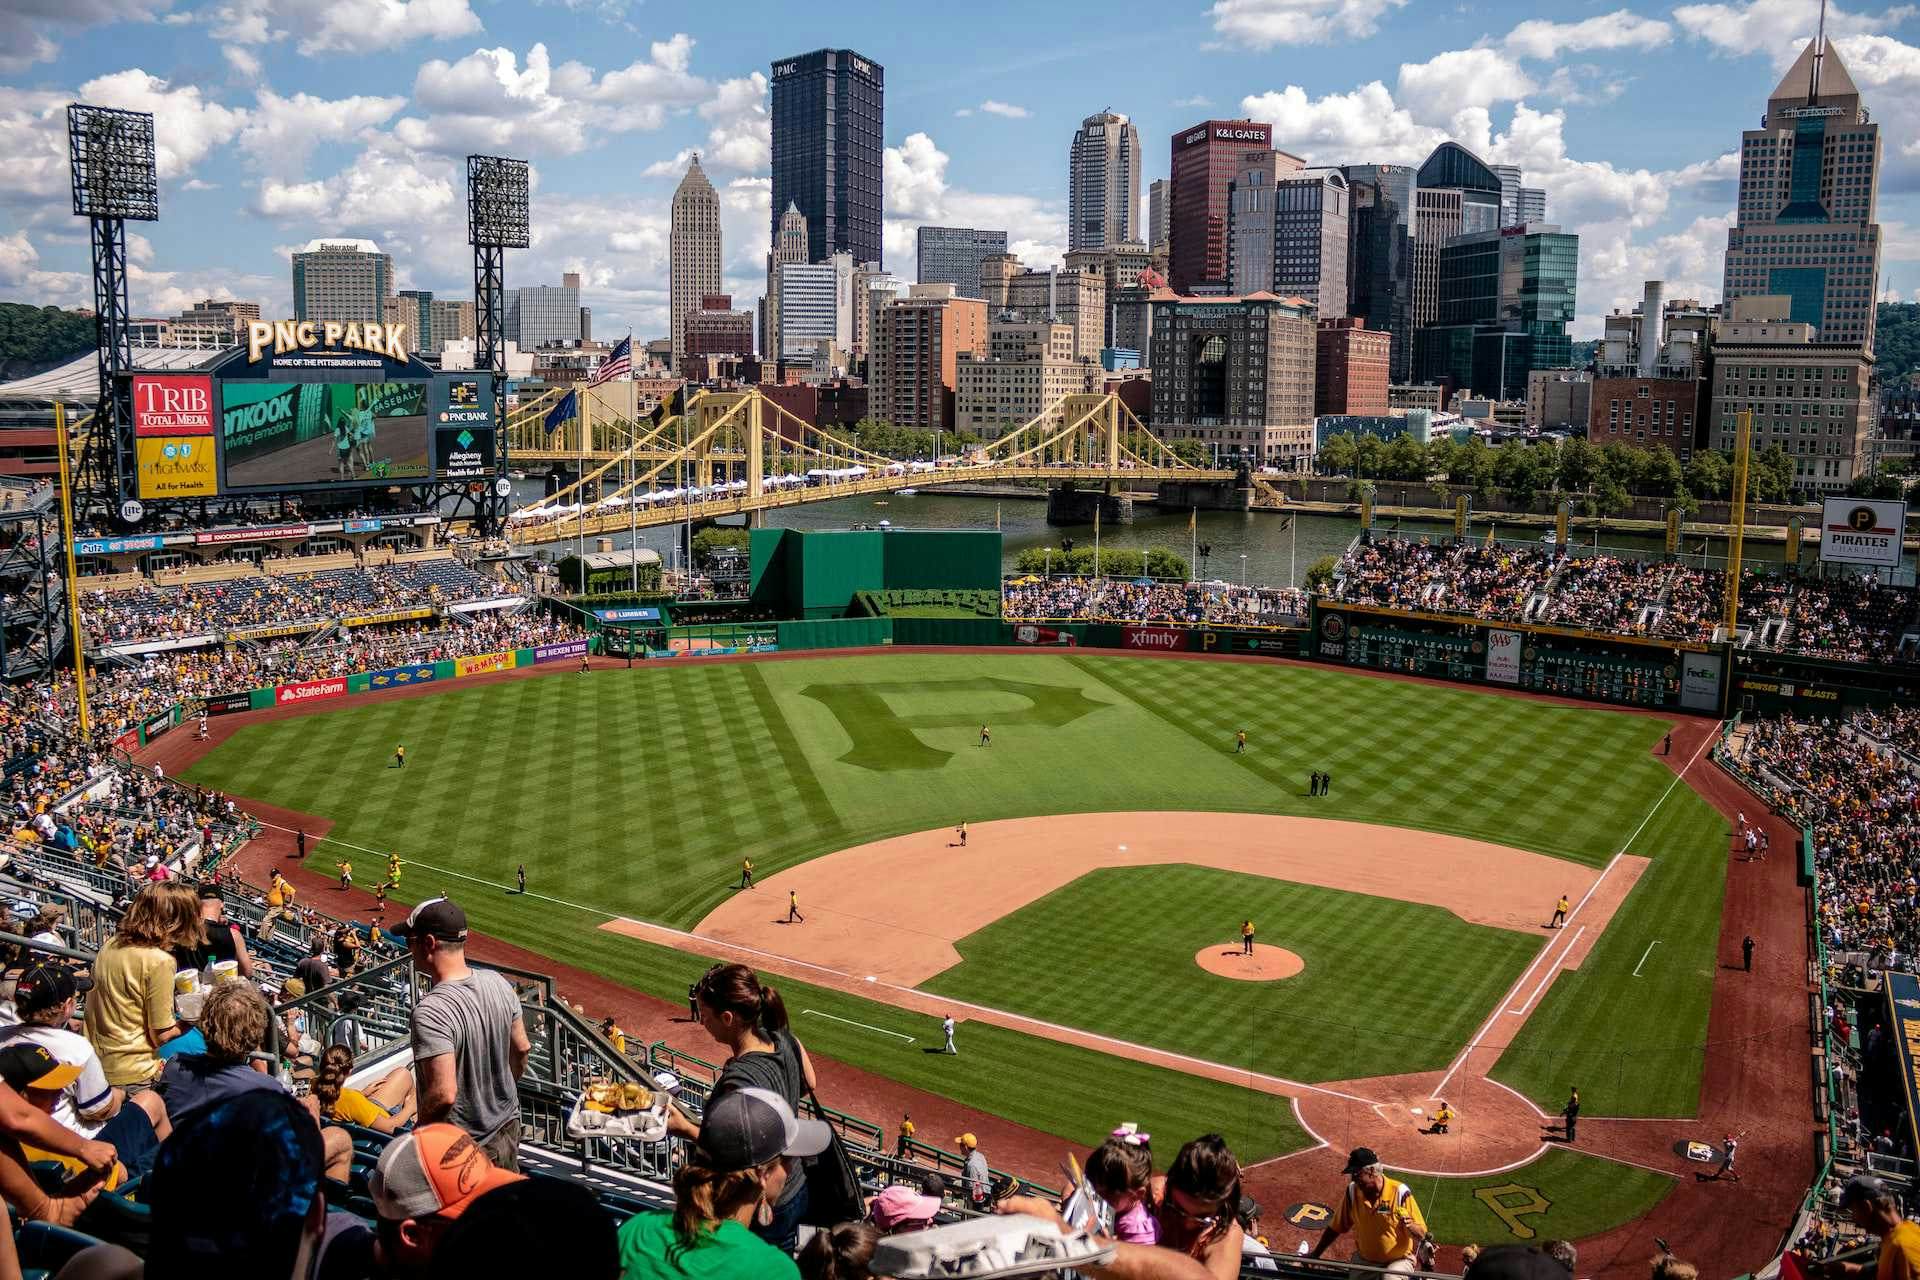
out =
column 130, row 1010
column 1872, row 1207
column 387, row 1107
column 1386, row 1223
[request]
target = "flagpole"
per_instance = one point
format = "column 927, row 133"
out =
column 1193, row 540
column 1096, row 538
column 580, row 525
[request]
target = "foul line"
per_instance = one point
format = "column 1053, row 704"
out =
column 1644, row 955
column 862, row 1025
column 1624, row 846
column 1552, row 970
column 1005, row 1018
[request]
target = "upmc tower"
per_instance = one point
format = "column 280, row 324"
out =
column 1204, row 161
column 828, row 140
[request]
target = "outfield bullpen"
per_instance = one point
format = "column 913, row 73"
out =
column 633, row 795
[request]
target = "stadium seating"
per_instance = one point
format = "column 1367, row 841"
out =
column 1125, row 600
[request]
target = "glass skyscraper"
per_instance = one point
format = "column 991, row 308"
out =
column 1505, row 301
column 828, row 144
column 1380, row 256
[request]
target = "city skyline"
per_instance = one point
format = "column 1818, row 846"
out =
column 278, row 127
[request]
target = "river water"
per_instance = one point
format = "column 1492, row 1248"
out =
column 1272, row 551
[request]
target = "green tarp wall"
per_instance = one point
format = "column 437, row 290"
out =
column 948, row 558
column 835, row 633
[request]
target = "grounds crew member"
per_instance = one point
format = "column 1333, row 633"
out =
column 1388, row 1229
column 1442, row 1118
column 1560, row 910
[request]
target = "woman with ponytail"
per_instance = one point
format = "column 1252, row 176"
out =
column 840, row 1253
column 387, row 1107
column 749, row 1146
column 751, row 1021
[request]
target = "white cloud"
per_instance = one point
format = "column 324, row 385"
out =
column 1450, row 82
column 1197, row 101
column 355, row 26
column 1344, row 128
column 23, row 23
column 917, row 192
column 1262, row 24
column 488, row 100
column 242, row 60
column 281, row 132
column 915, row 178
column 186, row 125
column 33, row 150
column 963, row 113
column 21, row 274
column 1621, row 29
column 1777, row 28
column 383, row 192
column 994, row 107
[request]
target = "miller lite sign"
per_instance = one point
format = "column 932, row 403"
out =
column 172, row 405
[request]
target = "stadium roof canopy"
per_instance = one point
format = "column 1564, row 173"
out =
column 77, row 381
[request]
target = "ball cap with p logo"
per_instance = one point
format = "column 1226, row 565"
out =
column 435, row 918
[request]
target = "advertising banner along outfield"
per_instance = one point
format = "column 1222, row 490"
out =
column 226, row 704
column 310, row 691
column 483, row 662
column 1503, row 656
column 555, row 652
column 1862, row 531
column 1903, row 1004
column 1164, row 639
column 400, row 677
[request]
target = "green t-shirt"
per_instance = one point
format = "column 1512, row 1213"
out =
column 650, row 1249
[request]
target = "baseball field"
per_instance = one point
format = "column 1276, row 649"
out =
column 1086, row 934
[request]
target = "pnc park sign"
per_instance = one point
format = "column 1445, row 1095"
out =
column 283, row 336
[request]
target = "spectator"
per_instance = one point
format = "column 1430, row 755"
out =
column 422, row 1184
column 316, row 967
column 223, row 941
column 130, row 1011
column 1872, row 1206
column 975, row 1180
column 842, row 1252
column 469, row 1042
column 539, row 1226
column 1196, row 1203
column 1120, row 1172
column 280, row 896
column 45, row 997
column 22, row 1122
column 1130, row 1261
column 736, row 1169
column 900, row 1208
column 264, row 1149
column 751, row 1021
column 1386, row 1222
column 387, row 1107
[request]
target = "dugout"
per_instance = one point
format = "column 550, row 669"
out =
column 813, row 574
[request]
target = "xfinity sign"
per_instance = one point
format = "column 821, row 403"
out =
column 1862, row 531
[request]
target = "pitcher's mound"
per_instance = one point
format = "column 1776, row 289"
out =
column 1266, row 964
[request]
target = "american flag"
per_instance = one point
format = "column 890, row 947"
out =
column 617, row 365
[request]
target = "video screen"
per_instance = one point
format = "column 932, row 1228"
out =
column 277, row 434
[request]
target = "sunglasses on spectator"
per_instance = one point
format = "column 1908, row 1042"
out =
column 1205, row 1218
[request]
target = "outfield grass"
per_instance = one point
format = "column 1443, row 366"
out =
column 636, row 793
column 1116, row 948
column 1632, row 1044
column 1584, row 1196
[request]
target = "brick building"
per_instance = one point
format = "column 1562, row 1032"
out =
column 1350, row 367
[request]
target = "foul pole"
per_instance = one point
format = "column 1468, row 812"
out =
column 73, row 579
column 1742, row 456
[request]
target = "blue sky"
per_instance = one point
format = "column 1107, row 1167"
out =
column 283, row 120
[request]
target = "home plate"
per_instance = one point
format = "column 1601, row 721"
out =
column 869, row 977
column 1417, row 1111
column 1123, row 848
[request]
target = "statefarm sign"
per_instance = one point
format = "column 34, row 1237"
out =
column 283, row 336
column 309, row 690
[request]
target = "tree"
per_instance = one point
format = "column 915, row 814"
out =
column 34, row 338
column 1876, row 484
column 1520, row 471
column 1371, row 456
column 713, row 538
column 1656, row 472
column 1190, row 451
column 1338, row 455
column 1610, row 497
column 1770, row 477
column 1320, row 573
column 1708, row 474
column 1405, row 459
column 1579, row 462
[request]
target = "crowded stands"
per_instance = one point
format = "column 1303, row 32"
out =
column 1034, row 599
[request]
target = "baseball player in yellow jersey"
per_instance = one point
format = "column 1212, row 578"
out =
column 1442, row 1117
column 1560, row 910
column 400, row 757
column 346, row 874
column 746, row 873
column 1246, row 937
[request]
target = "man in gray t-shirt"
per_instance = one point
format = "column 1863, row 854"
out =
column 469, row 1042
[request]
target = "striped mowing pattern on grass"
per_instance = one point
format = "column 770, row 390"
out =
column 639, row 791
column 1582, row 1196
column 1389, row 987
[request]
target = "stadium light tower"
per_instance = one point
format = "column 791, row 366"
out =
column 496, row 222
column 114, row 179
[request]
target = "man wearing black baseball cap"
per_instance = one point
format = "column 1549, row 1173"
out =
column 469, row 1042
column 749, row 1141
column 44, row 997
column 1386, row 1223
column 1872, row 1206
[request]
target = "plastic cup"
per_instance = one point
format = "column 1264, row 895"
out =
column 186, row 982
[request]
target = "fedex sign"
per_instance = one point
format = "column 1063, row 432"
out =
column 172, row 405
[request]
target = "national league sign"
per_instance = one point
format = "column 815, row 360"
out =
column 1862, row 531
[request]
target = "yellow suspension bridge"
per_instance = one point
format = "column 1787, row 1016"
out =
column 737, row 452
